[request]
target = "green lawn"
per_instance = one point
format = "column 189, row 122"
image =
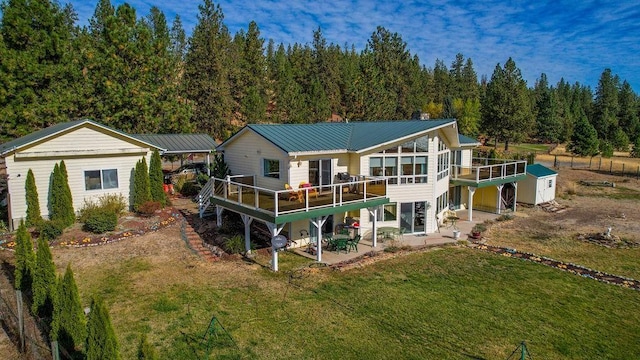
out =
column 455, row 303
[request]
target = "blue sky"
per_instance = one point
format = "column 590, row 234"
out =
column 576, row 40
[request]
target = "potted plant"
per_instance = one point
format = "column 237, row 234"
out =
column 477, row 230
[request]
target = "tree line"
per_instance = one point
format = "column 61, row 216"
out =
column 142, row 75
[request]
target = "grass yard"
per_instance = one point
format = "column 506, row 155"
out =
column 524, row 147
column 453, row 303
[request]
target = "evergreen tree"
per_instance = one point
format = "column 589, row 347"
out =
column 207, row 72
column 36, row 66
column 25, row 259
column 470, row 88
column 33, row 203
column 628, row 114
column 606, row 107
column 506, row 113
column 584, row 141
column 69, row 213
column 145, row 350
column 44, row 281
column 69, row 324
column 141, row 187
column 549, row 127
column 101, row 339
column 635, row 152
column 156, row 179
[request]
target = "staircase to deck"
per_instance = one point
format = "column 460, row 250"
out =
column 204, row 199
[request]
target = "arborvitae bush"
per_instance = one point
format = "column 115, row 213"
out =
column 156, row 179
column 60, row 203
column 101, row 339
column 69, row 213
column 44, row 281
column 69, row 323
column 141, row 190
column 100, row 221
column 25, row 259
column 34, row 217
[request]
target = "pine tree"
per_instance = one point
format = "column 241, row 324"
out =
column 145, row 350
column 44, row 281
column 549, row 127
column 101, row 339
column 635, row 152
column 25, row 259
column 141, row 187
column 584, row 140
column 156, row 178
column 207, row 71
column 606, row 106
column 69, row 324
column 34, row 216
column 506, row 113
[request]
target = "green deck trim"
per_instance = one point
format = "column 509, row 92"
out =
column 298, row 215
column 483, row 184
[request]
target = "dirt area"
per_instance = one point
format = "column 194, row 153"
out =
column 589, row 209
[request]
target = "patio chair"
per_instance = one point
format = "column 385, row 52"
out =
column 353, row 244
column 305, row 186
column 341, row 244
column 293, row 194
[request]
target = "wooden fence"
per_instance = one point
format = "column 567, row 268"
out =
column 613, row 166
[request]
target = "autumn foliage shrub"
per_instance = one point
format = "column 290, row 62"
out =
column 148, row 208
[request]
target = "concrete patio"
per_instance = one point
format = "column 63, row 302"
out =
column 445, row 236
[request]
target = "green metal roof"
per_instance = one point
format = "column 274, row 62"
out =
column 467, row 141
column 180, row 143
column 538, row 170
column 351, row 136
column 56, row 129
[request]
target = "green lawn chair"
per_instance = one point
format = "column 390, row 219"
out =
column 353, row 244
column 341, row 244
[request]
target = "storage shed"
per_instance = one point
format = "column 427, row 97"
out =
column 539, row 186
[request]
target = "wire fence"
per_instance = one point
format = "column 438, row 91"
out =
column 14, row 315
column 619, row 167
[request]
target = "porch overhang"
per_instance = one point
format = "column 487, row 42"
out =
column 270, row 217
column 486, row 183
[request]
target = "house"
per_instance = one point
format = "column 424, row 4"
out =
column 539, row 186
column 401, row 174
column 99, row 160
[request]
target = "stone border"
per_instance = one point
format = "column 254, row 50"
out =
column 569, row 267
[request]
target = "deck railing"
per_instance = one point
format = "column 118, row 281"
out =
column 242, row 191
column 483, row 170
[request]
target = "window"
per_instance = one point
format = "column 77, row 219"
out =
column 404, row 166
column 388, row 212
column 443, row 165
column 101, row 179
column 391, row 169
column 550, row 183
column 442, row 202
column 271, row 168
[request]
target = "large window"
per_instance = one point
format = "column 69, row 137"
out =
column 271, row 168
column 388, row 212
column 402, row 164
column 442, row 202
column 101, row 179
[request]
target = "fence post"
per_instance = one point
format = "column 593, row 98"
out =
column 600, row 164
column 572, row 161
column 19, row 304
column 622, row 169
column 555, row 161
column 590, row 160
column 610, row 166
column 638, row 173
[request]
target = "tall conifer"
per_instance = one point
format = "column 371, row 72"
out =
column 25, row 259
column 44, row 280
column 101, row 339
column 156, row 178
column 34, row 216
column 69, row 324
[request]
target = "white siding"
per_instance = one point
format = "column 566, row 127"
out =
column 245, row 155
column 534, row 190
column 42, row 167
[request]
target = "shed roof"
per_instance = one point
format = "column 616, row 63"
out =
column 58, row 128
column 327, row 137
column 539, row 171
column 181, row 143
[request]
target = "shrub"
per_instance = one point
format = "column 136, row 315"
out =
column 606, row 149
column 115, row 203
column 51, row 229
column 202, row 179
column 156, row 178
column 235, row 244
column 479, row 228
column 148, row 208
column 100, row 220
column 141, row 187
column 504, row 217
column 178, row 183
column 190, row 189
